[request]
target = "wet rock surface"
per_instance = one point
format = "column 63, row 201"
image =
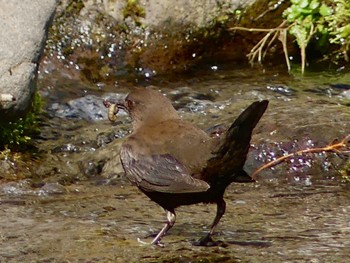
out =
column 99, row 41
column 69, row 202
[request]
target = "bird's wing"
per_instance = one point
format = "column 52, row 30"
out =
column 160, row 173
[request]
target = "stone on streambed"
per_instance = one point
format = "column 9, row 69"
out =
column 89, row 107
column 23, row 29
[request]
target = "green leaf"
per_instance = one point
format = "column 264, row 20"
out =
column 291, row 17
column 314, row 4
column 345, row 31
column 325, row 10
column 306, row 11
column 304, row 3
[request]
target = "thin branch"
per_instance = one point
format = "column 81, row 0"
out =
column 283, row 38
column 253, row 29
column 259, row 51
column 303, row 46
column 270, row 43
column 337, row 147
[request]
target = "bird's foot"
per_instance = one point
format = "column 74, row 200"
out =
column 205, row 241
column 156, row 243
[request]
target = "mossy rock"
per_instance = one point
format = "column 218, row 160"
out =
column 16, row 135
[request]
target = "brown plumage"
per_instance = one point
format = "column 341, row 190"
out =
column 175, row 163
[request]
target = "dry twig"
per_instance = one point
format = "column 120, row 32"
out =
column 337, row 147
column 260, row 49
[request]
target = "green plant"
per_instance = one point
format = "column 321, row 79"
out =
column 17, row 134
column 326, row 23
column 74, row 7
column 338, row 25
column 134, row 10
column 306, row 18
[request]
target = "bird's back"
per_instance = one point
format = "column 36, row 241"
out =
column 188, row 144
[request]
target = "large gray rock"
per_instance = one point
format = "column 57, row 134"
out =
column 181, row 12
column 23, row 29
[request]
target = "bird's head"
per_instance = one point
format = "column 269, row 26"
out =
column 147, row 106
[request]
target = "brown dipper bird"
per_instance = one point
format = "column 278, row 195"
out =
column 175, row 163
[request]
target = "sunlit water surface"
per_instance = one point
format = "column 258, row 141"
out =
column 74, row 205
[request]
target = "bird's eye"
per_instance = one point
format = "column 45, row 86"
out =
column 130, row 104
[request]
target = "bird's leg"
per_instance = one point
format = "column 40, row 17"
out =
column 207, row 240
column 171, row 217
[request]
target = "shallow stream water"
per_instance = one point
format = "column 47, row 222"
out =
column 71, row 203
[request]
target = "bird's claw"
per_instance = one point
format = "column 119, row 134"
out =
column 157, row 243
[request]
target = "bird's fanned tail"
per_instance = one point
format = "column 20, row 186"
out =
column 232, row 152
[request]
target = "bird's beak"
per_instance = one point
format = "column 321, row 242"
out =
column 113, row 108
column 121, row 106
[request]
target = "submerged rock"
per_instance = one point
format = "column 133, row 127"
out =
column 52, row 189
column 88, row 108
